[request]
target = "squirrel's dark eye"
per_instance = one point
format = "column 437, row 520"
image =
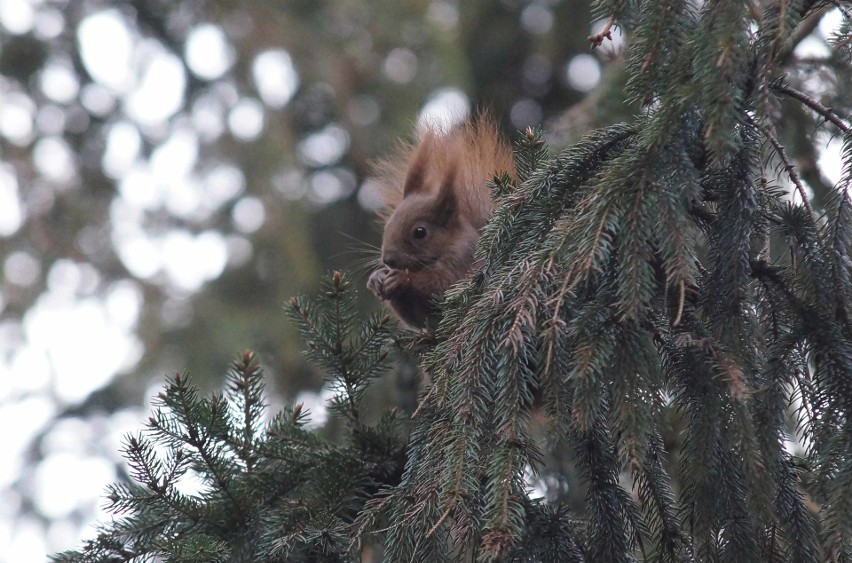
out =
column 419, row 233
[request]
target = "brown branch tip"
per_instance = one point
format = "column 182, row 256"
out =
column 606, row 33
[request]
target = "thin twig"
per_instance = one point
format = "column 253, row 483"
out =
column 788, row 166
column 443, row 517
column 828, row 113
column 680, row 302
column 606, row 33
column 843, row 10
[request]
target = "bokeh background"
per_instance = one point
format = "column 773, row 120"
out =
column 171, row 172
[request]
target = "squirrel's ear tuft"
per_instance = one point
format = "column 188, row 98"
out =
column 415, row 180
column 447, row 201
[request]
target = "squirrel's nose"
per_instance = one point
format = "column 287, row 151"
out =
column 391, row 261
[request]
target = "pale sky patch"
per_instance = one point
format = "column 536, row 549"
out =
column 17, row 112
column 445, row 108
column 248, row 214
column 316, row 406
column 176, row 157
column 830, row 160
column 190, row 261
column 106, row 46
column 27, row 541
column 208, row 117
column 49, row 23
column 401, row 65
column 246, row 119
column 59, row 82
column 222, row 183
column 28, row 416
column 55, row 160
column 275, row 76
column 325, row 147
column 207, row 52
column 140, row 254
column 51, row 120
column 21, row 268
column 81, row 361
column 17, row 16
column 160, row 91
column 583, row 72
column 69, row 481
column 11, row 210
column 830, row 22
column 97, row 99
column 138, row 189
column 812, row 48
column 123, row 146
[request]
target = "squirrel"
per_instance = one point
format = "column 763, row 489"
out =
column 436, row 200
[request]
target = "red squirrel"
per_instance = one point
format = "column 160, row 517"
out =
column 437, row 200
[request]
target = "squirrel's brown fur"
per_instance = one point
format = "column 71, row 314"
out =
column 436, row 201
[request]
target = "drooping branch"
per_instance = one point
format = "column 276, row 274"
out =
column 827, row 113
column 788, row 167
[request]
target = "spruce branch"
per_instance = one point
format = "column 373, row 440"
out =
column 246, row 387
column 530, row 153
column 204, row 421
column 606, row 33
column 843, row 10
column 827, row 113
column 788, row 167
column 159, row 484
column 662, row 513
column 353, row 355
column 301, row 492
column 625, row 317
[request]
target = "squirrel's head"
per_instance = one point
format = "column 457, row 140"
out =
column 425, row 225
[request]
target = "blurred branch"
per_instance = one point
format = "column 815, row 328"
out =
column 828, row 113
column 788, row 166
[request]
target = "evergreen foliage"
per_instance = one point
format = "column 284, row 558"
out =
column 654, row 284
column 652, row 268
column 217, row 479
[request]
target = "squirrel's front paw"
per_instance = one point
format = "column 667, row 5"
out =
column 394, row 282
column 376, row 282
